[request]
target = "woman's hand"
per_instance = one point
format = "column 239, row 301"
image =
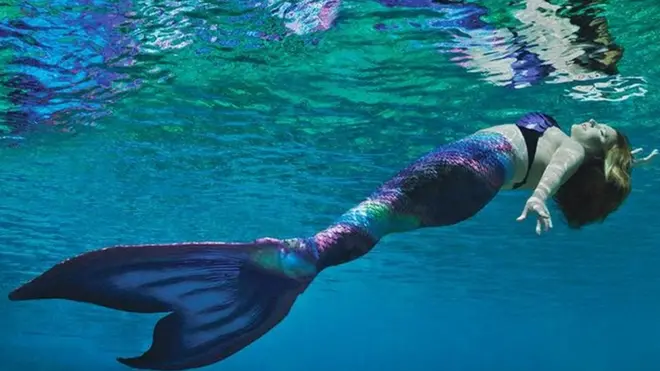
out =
column 639, row 161
column 538, row 206
column 563, row 164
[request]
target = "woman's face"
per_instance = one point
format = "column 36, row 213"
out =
column 594, row 136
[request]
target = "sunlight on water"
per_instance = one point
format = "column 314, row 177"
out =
column 67, row 66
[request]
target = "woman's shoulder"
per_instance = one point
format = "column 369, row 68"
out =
column 555, row 134
column 558, row 138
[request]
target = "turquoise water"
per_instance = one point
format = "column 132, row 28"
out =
column 141, row 122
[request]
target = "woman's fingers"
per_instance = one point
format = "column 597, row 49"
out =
column 543, row 221
column 541, row 211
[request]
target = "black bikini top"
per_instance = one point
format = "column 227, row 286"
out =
column 532, row 126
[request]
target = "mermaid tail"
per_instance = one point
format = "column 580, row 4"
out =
column 444, row 187
column 222, row 296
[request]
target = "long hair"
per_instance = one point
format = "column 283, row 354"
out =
column 598, row 187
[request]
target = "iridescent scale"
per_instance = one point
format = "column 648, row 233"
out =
column 444, row 187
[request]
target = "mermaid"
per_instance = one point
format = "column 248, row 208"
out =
column 221, row 296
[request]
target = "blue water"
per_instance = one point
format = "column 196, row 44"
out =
column 141, row 122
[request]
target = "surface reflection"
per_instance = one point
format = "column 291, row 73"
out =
column 65, row 62
column 554, row 43
column 69, row 62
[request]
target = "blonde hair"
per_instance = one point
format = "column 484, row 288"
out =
column 618, row 163
column 599, row 187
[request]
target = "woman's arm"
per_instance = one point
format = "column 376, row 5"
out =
column 563, row 164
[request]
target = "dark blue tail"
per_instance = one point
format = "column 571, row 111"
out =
column 220, row 296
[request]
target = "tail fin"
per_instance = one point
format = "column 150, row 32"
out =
column 221, row 297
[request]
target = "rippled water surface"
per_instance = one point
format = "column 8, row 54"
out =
column 160, row 121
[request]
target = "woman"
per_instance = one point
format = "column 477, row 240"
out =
column 223, row 296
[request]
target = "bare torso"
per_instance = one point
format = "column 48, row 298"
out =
column 548, row 144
